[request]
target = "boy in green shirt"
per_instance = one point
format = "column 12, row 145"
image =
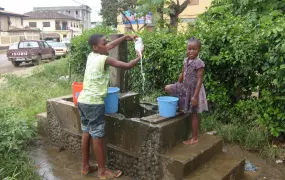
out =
column 91, row 101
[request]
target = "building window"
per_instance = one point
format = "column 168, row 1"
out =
column 76, row 12
column 194, row 2
column 46, row 24
column 22, row 21
column 33, row 24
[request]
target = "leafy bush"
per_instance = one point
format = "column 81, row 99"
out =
column 243, row 46
column 162, row 61
column 244, row 53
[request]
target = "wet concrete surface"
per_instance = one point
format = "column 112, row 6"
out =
column 53, row 163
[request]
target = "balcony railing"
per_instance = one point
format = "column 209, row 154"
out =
column 62, row 28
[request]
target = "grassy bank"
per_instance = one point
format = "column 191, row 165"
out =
column 21, row 98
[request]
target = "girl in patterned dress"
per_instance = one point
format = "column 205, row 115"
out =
column 190, row 89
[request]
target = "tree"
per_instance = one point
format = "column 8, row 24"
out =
column 174, row 10
column 111, row 9
column 109, row 12
column 170, row 7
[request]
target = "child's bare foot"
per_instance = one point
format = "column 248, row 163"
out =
column 190, row 141
column 89, row 169
column 109, row 174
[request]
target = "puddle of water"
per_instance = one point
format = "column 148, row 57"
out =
column 53, row 164
column 267, row 170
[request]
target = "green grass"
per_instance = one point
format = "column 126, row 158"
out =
column 21, row 99
column 249, row 136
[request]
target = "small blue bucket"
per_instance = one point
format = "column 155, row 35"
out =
column 167, row 106
column 112, row 100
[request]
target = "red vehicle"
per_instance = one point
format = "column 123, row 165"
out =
column 30, row 51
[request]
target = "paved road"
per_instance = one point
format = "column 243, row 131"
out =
column 6, row 66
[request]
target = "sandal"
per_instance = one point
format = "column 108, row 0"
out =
column 110, row 175
column 91, row 169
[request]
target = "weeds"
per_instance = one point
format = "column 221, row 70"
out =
column 21, row 98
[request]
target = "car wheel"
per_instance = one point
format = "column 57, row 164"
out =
column 16, row 64
column 53, row 57
column 37, row 61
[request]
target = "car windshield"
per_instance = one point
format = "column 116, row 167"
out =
column 57, row 45
column 14, row 46
column 29, row 44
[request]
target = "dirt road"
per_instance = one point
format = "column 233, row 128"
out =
column 7, row 67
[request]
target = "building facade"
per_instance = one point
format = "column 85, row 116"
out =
column 10, row 20
column 83, row 13
column 12, row 28
column 189, row 15
column 54, row 25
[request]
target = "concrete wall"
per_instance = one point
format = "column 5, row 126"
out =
column 40, row 24
column 52, row 24
column 6, row 39
column 133, row 145
column 15, row 22
column 83, row 13
column 70, row 33
column 192, row 11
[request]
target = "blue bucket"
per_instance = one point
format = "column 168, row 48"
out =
column 167, row 106
column 112, row 100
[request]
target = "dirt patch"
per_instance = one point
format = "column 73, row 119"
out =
column 267, row 169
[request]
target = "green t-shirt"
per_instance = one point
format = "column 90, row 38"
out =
column 96, row 80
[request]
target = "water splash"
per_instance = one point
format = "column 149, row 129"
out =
column 139, row 48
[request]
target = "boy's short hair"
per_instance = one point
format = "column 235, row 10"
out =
column 193, row 39
column 94, row 39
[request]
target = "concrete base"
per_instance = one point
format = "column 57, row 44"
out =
column 133, row 145
column 144, row 148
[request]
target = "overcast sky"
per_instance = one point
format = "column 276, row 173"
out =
column 23, row 6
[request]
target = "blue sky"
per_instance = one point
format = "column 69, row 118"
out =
column 23, row 6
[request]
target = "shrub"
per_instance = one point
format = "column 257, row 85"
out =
column 162, row 61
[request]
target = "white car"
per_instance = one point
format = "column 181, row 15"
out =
column 61, row 49
column 14, row 46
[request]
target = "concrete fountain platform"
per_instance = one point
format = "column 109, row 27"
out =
column 142, row 144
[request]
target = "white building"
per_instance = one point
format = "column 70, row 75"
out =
column 82, row 12
column 53, row 25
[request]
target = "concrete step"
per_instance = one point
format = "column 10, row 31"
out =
column 181, row 160
column 42, row 124
column 220, row 167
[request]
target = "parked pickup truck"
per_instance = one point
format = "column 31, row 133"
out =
column 30, row 51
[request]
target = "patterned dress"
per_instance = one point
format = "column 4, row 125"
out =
column 185, row 90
